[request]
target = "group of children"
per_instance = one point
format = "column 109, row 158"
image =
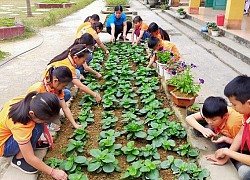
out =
column 24, row 118
column 228, row 127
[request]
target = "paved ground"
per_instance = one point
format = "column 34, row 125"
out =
column 19, row 74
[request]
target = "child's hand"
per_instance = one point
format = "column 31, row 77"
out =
column 220, row 153
column 98, row 75
column 59, row 174
column 216, row 139
column 77, row 126
column 98, row 98
column 217, row 161
column 206, row 132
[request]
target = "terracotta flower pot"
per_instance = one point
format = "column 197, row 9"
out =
column 170, row 87
column 182, row 100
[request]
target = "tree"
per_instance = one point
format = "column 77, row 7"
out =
column 29, row 12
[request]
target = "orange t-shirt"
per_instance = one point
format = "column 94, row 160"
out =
column 143, row 27
column 42, row 87
column 159, row 36
column 167, row 45
column 65, row 62
column 87, row 29
column 233, row 124
column 21, row 133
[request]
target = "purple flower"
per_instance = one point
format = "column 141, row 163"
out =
column 201, row 81
column 183, row 64
column 173, row 72
column 193, row 66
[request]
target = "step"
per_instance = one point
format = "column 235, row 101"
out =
column 227, row 34
column 238, row 50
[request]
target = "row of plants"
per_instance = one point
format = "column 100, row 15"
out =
column 133, row 124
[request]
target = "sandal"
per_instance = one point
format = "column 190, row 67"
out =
column 42, row 145
column 53, row 127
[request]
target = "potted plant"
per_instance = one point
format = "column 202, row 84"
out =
column 194, row 108
column 215, row 31
column 186, row 89
column 165, row 5
column 181, row 13
column 210, row 26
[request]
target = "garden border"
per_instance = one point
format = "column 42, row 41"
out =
column 11, row 32
column 54, row 5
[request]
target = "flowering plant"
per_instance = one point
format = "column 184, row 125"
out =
column 184, row 82
column 165, row 56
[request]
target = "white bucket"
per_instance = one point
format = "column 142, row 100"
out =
column 167, row 76
column 160, row 68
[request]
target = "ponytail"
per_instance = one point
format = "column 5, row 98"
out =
column 164, row 35
column 44, row 105
column 78, row 50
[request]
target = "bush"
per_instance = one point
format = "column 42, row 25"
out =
column 7, row 22
column 116, row 2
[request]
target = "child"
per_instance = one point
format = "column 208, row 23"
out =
column 223, row 119
column 238, row 94
column 21, row 125
column 76, row 56
column 158, row 32
column 117, row 24
column 94, row 30
column 88, row 22
column 55, row 80
column 140, row 30
column 159, row 45
column 87, row 40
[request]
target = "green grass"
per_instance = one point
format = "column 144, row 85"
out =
column 54, row 1
column 48, row 18
column 2, row 55
column 116, row 2
column 112, row 9
column 7, row 22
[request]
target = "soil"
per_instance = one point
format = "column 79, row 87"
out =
column 95, row 128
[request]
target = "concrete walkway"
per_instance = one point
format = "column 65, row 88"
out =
column 19, row 74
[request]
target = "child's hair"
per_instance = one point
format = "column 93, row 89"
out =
column 118, row 8
column 44, row 105
column 78, row 50
column 95, row 17
column 152, row 42
column 153, row 27
column 239, row 87
column 62, row 73
column 214, row 106
column 137, row 19
column 97, row 25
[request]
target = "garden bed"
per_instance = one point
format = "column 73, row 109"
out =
column 11, row 32
column 137, row 109
column 54, row 5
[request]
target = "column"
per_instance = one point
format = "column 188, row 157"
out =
column 234, row 14
column 194, row 6
column 175, row 3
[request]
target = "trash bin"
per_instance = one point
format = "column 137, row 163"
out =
column 220, row 19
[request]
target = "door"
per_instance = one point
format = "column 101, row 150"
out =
column 209, row 3
column 220, row 4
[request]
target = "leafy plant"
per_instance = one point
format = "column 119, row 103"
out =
column 109, row 122
column 53, row 162
column 131, row 151
column 134, row 130
column 168, row 144
column 102, row 161
column 78, row 176
column 145, row 169
column 127, row 102
column 175, row 129
column 80, row 134
column 149, row 152
column 74, row 163
column 75, row 146
column 86, row 115
column 181, row 11
column 186, row 150
column 7, row 22
column 211, row 24
column 129, row 116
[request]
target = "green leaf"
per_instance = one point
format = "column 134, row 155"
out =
column 204, row 173
column 178, row 163
column 141, row 134
column 93, row 166
column 80, row 159
column 165, row 164
column 109, row 158
column 108, row 168
column 184, row 176
column 154, row 174
column 68, row 165
column 125, row 175
column 95, row 153
column 130, row 158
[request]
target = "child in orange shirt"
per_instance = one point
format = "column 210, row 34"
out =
column 159, row 45
column 222, row 120
column 76, row 56
column 140, row 30
column 158, row 32
column 21, row 125
column 238, row 93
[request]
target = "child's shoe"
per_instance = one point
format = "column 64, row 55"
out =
column 22, row 165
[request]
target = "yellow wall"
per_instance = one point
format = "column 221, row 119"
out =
column 234, row 9
column 194, row 3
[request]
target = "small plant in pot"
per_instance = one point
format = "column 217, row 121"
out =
column 194, row 108
column 215, row 31
column 181, row 13
column 186, row 89
column 165, row 5
column 210, row 26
